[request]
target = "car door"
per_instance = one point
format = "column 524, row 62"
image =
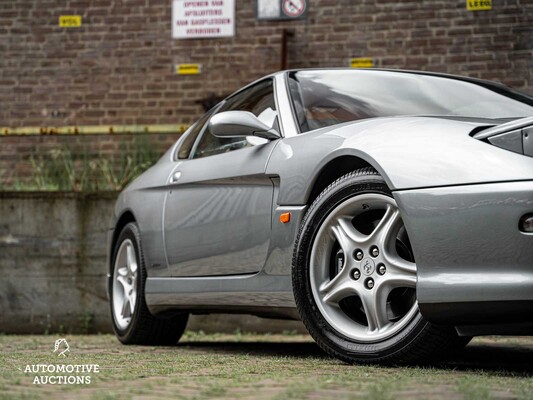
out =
column 217, row 214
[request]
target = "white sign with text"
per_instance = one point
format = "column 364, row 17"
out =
column 193, row 19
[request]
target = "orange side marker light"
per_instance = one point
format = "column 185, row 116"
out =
column 285, row 217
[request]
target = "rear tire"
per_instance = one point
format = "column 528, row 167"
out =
column 132, row 321
column 354, row 278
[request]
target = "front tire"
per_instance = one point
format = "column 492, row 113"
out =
column 354, row 278
column 132, row 321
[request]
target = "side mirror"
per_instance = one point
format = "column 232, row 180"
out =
column 229, row 124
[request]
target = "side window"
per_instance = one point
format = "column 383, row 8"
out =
column 259, row 100
column 188, row 142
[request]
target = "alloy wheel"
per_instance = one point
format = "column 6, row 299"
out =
column 362, row 271
column 125, row 284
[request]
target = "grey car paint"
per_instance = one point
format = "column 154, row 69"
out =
column 514, row 136
column 206, row 203
column 443, row 180
column 238, row 123
column 467, row 242
column 435, row 152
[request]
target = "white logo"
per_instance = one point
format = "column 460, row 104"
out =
column 61, row 344
column 61, row 374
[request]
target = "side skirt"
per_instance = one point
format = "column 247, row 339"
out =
column 258, row 294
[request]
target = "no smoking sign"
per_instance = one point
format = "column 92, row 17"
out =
column 293, row 8
column 281, row 9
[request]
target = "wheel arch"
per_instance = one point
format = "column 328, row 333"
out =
column 334, row 169
column 125, row 218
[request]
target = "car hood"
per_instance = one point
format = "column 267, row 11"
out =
column 409, row 152
column 471, row 124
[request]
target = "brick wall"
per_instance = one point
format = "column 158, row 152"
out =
column 118, row 67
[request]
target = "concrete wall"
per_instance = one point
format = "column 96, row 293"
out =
column 52, row 267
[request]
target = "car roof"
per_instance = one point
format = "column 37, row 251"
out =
column 495, row 86
column 403, row 71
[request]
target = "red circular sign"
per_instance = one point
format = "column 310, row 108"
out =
column 294, row 8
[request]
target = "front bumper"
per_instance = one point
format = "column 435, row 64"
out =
column 474, row 264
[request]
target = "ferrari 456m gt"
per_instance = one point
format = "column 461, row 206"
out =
column 390, row 211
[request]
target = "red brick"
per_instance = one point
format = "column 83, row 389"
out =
column 118, row 68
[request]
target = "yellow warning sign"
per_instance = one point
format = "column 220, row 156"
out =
column 70, row 21
column 188, row 69
column 478, row 5
column 361, row 62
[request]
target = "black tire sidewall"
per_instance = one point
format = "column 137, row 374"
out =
column 131, row 232
column 324, row 334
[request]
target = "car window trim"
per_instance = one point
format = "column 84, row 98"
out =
column 294, row 127
column 278, row 111
column 180, row 142
column 177, row 145
column 294, row 114
column 213, row 111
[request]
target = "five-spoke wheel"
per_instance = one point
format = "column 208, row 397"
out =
column 367, row 269
column 132, row 321
column 354, row 277
column 124, row 284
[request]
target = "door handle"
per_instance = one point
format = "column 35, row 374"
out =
column 175, row 177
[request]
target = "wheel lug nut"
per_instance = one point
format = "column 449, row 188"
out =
column 374, row 251
column 382, row 269
column 356, row 274
column 358, row 255
column 369, row 283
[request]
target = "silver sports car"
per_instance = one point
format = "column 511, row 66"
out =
column 390, row 211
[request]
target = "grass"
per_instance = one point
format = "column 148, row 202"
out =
column 61, row 170
column 247, row 366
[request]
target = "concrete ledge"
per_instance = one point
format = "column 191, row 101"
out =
column 52, row 263
column 93, row 129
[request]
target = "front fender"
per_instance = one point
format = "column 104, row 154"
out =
column 409, row 152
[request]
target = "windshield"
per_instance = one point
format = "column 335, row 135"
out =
column 327, row 97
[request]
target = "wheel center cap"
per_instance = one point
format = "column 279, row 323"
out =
column 368, row 266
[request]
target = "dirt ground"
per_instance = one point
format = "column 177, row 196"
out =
column 247, row 366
